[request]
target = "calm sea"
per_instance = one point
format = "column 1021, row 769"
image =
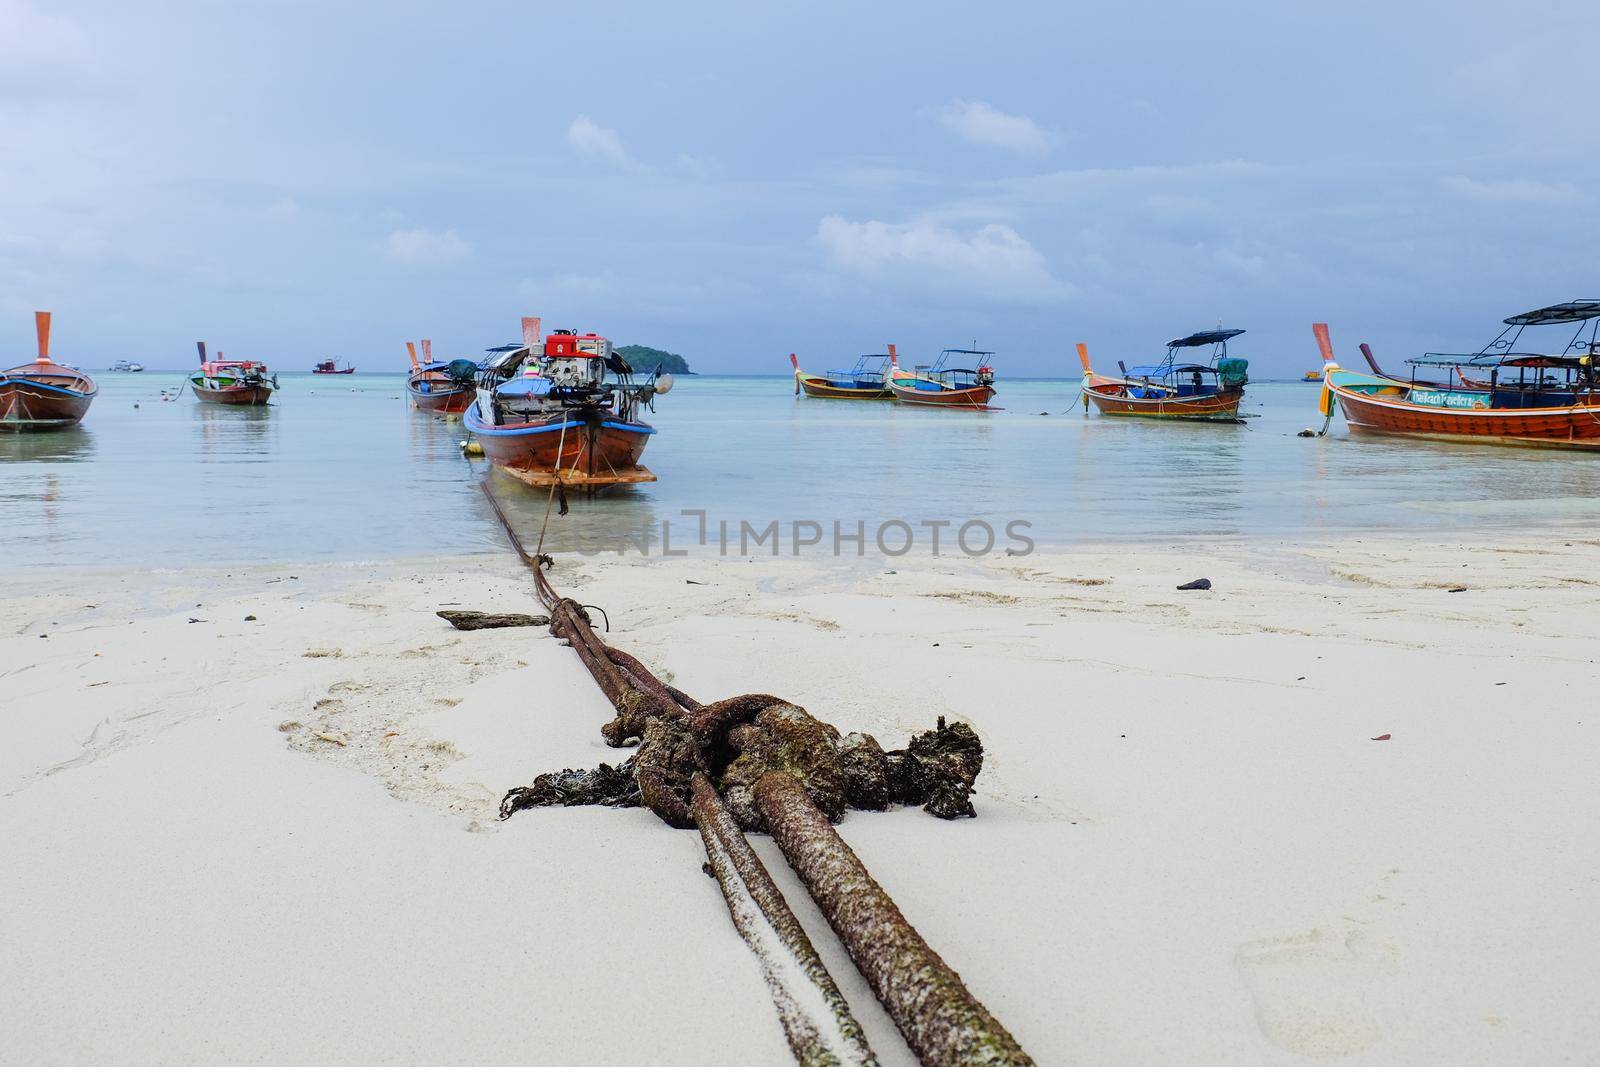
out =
column 341, row 469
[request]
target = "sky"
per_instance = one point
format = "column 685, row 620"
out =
column 735, row 182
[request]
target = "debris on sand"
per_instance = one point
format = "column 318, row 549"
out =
column 483, row 620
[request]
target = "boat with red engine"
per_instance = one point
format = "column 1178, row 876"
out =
column 445, row 388
column 232, row 381
column 1510, row 397
column 44, row 394
column 546, row 412
column 941, row 385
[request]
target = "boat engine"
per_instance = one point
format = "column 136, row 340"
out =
column 573, row 362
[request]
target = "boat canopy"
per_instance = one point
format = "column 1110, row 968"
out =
column 502, row 358
column 1162, row 370
column 1495, row 359
column 866, row 366
column 940, row 365
column 1556, row 314
column 1204, row 337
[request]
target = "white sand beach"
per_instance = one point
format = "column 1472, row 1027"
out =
column 276, row 840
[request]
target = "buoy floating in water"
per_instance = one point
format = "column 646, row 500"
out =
column 471, row 448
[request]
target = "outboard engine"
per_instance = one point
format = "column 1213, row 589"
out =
column 462, row 370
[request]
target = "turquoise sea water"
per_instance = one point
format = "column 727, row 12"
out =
column 341, row 469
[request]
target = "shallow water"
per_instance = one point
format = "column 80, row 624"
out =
column 341, row 469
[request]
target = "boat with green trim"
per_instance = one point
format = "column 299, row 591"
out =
column 1190, row 390
column 1500, row 394
column 244, row 382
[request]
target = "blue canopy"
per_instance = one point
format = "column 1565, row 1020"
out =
column 1205, row 337
column 524, row 387
column 1161, row 370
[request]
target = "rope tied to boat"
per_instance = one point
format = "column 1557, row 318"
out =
column 561, row 444
column 758, row 762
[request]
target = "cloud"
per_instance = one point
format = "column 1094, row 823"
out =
column 427, row 246
column 878, row 179
column 571, row 284
column 1513, row 190
column 993, row 260
column 589, row 138
column 42, row 55
column 980, row 123
column 594, row 141
column 1076, row 184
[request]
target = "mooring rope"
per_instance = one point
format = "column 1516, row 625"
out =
column 561, row 444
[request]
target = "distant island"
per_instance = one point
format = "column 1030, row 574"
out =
column 645, row 359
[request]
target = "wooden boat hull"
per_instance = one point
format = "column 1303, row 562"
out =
column 243, row 395
column 812, row 385
column 594, row 451
column 431, row 391
column 1575, row 426
column 44, row 400
column 977, row 396
column 1110, row 397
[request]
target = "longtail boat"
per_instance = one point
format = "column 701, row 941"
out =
column 546, row 412
column 864, row 381
column 232, row 381
column 44, row 394
column 1208, row 392
column 1510, row 396
column 941, row 385
column 445, row 387
column 328, row 366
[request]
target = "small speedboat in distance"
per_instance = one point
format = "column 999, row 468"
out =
column 1206, row 392
column 941, row 385
column 44, row 394
column 328, row 366
column 128, row 366
column 232, row 381
column 546, row 412
column 865, row 381
column 1497, row 395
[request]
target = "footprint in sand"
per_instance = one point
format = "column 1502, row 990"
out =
column 1320, row 993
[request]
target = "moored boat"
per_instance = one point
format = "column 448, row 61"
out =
column 328, row 366
column 232, row 381
column 941, row 385
column 1206, row 392
column 44, row 394
column 1509, row 396
column 865, row 381
column 546, row 412
column 442, row 387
